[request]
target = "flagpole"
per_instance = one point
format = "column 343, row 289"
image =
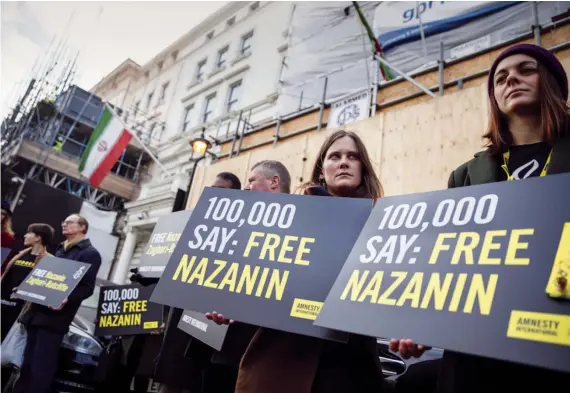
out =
column 139, row 141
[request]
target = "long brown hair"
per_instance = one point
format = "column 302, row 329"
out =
column 370, row 186
column 554, row 112
column 7, row 225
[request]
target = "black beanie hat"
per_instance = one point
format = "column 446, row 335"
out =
column 543, row 56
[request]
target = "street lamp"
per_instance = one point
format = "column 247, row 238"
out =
column 201, row 147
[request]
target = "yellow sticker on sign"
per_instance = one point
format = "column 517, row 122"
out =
column 542, row 327
column 559, row 281
column 306, row 309
column 150, row 325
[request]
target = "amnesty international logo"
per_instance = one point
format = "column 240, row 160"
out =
column 541, row 327
column 558, row 283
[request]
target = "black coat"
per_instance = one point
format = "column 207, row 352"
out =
column 42, row 316
column 461, row 373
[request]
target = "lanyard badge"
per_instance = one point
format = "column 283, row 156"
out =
column 510, row 177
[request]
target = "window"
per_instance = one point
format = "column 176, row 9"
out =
column 245, row 47
column 137, row 106
column 160, row 65
column 231, row 21
column 187, row 120
column 233, row 96
column 200, row 70
column 175, row 55
column 210, row 35
column 208, row 107
column 222, row 55
column 254, row 6
column 149, row 100
column 163, row 93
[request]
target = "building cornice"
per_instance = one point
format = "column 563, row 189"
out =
column 121, row 69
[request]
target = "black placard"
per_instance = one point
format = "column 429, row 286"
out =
column 126, row 310
column 51, row 281
column 162, row 243
column 198, row 326
column 227, row 257
column 472, row 269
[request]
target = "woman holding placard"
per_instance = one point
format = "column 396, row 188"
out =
column 528, row 136
column 36, row 240
column 282, row 362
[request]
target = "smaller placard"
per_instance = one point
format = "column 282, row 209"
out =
column 51, row 281
column 198, row 326
column 4, row 254
column 126, row 310
column 162, row 243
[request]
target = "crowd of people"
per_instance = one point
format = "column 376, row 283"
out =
column 45, row 326
column 528, row 136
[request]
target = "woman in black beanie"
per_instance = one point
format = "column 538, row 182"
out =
column 528, row 136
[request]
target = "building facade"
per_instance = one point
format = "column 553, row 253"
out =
column 220, row 78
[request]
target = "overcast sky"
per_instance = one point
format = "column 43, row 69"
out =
column 104, row 33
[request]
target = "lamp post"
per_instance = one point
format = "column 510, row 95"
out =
column 201, row 147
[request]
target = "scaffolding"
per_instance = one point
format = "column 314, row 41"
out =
column 48, row 130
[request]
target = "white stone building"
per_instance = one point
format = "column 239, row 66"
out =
column 224, row 69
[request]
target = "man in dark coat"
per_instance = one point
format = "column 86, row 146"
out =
column 46, row 326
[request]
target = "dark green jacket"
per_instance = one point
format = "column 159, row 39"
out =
column 486, row 169
column 462, row 373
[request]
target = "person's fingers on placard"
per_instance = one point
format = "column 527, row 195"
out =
column 394, row 345
column 213, row 316
column 223, row 320
column 412, row 348
column 403, row 349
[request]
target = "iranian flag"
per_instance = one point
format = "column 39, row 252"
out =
column 106, row 145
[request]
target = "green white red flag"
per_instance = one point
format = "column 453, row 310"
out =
column 105, row 147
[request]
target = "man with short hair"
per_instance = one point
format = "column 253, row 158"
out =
column 265, row 176
column 227, row 180
column 269, row 176
column 46, row 326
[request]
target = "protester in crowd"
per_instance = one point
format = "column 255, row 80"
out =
column 46, row 326
column 36, row 240
column 227, row 180
column 188, row 364
column 528, row 135
column 269, row 176
column 221, row 375
column 8, row 238
column 277, row 361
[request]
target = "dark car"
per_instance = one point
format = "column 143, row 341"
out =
column 80, row 350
